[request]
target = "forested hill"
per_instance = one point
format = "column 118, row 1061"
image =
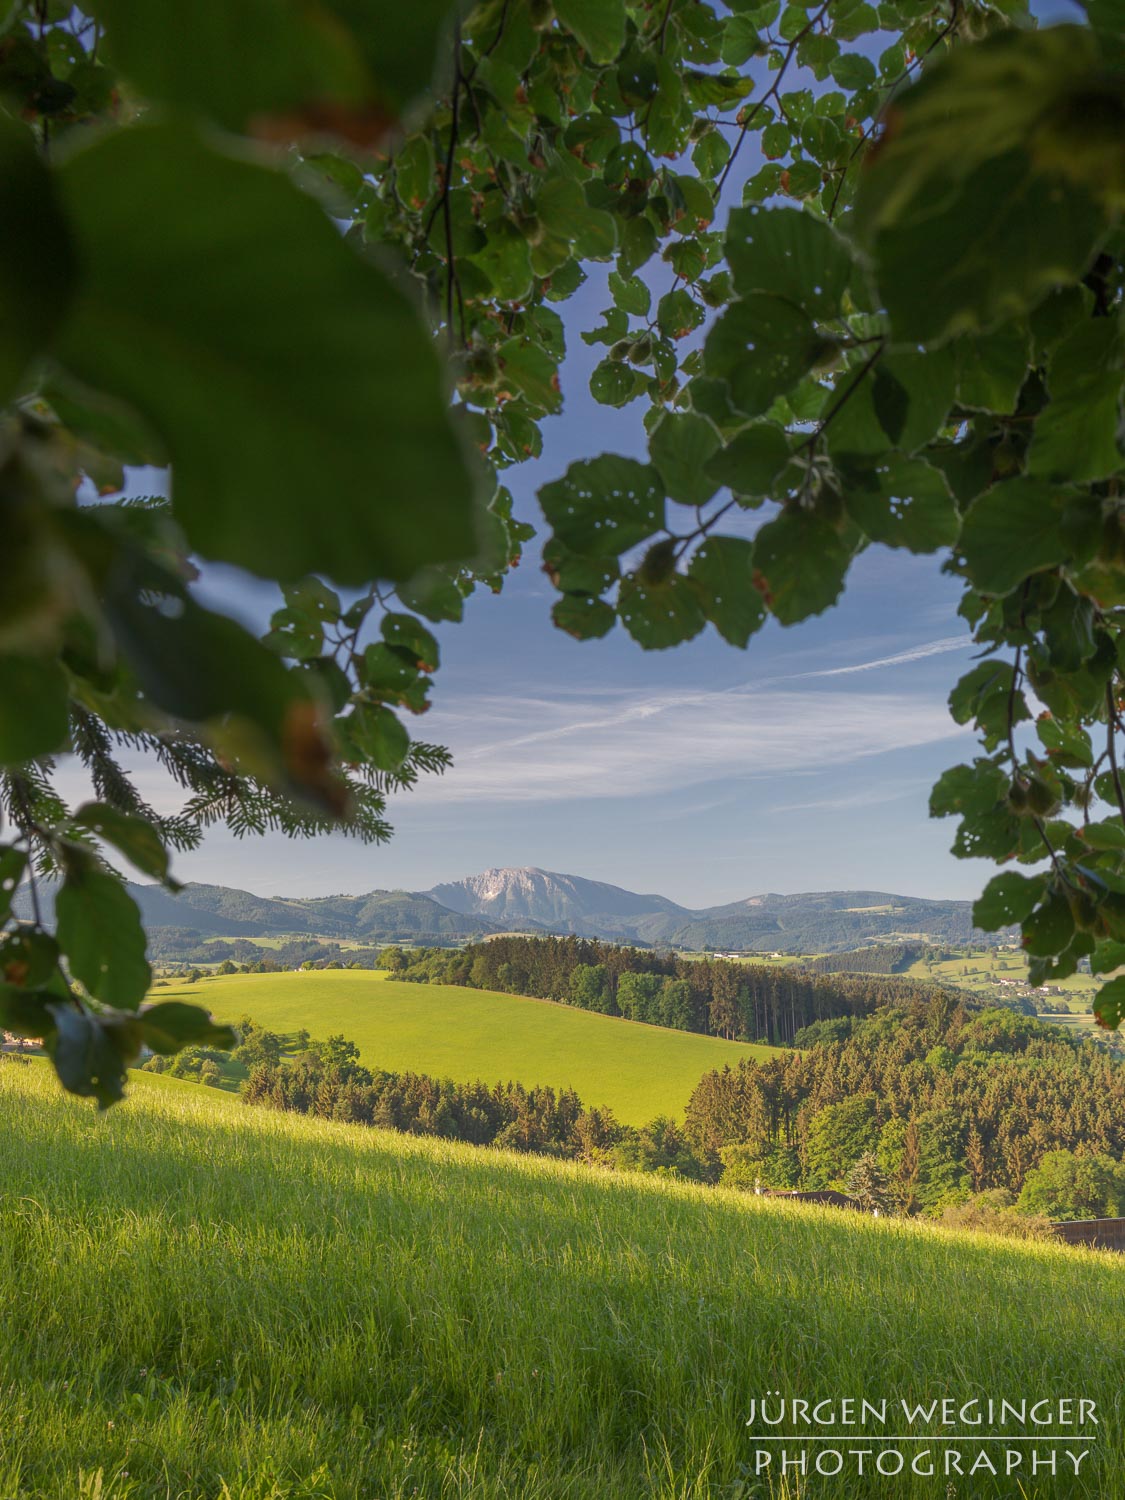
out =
column 219, row 911
column 738, row 1001
column 949, row 1100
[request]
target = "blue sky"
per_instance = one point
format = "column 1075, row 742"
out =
column 704, row 773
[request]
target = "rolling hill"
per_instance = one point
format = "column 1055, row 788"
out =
column 219, row 911
column 452, row 1032
column 206, row 1300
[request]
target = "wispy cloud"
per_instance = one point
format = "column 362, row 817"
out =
column 647, row 745
column 900, row 658
column 872, row 796
column 561, row 745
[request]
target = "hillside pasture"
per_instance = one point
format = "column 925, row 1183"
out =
column 453, row 1032
column 211, row 1302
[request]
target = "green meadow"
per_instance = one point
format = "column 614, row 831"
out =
column 204, row 1301
column 452, row 1032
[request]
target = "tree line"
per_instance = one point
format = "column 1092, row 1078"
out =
column 926, row 1109
column 879, row 958
column 717, row 997
column 952, row 1102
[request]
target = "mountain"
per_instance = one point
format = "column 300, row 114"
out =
column 560, row 903
column 817, row 922
column 533, row 900
column 219, row 911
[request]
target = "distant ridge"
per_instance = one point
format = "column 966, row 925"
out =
column 532, row 900
column 813, row 922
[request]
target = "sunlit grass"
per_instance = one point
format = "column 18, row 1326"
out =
column 203, row 1300
column 454, row 1032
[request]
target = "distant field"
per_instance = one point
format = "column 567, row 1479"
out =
column 204, row 1301
column 981, row 968
column 638, row 1071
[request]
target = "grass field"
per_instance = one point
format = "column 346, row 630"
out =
column 208, row 1302
column 452, row 1032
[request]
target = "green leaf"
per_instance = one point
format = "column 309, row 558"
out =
column 987, row 252
column 711, row 155
column 750, row 463
column 99, row 930
column 13, row 862
column 987, row 190
column 242, row 60
column 408, row 634
column 902, row 404
column 433, row 593
column 562, row 206
column 603, row 506
column 26, row 1012
column 33, row 708
column 236, row 319
column 529, row 371
column 638, row 245
column 740, row 40
column 630, row 294
column 506, row 260
column 1107, row 956
column 1011, row 531
column 908, row 504
column 659, row 615
column 168, row 1027
column 598, row 25
column 29, row 956
column 851, row 70
column 1050, row 927
column 723, row 570
column 36, row 256
column 388, row 671
column 1077, row 437
column 131, row 836
column 1108, row 834
column 1109, row 1006
column 192, row 664
column 379, row 734
column 968, row 790
column 983, row 694
column 992, row 367
column 1066, row 745
column 614, row 383
column 791, row 253
column 680, row 445
column 761, row 347
column 85, row 1060
column 583, row 616
column 678, row 314
column 1007, row 899
column 802, row 560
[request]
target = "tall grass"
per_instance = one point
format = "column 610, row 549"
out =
column 206, row 1301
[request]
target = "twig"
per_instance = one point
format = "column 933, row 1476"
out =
column 446, row 208
column 771, row 93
